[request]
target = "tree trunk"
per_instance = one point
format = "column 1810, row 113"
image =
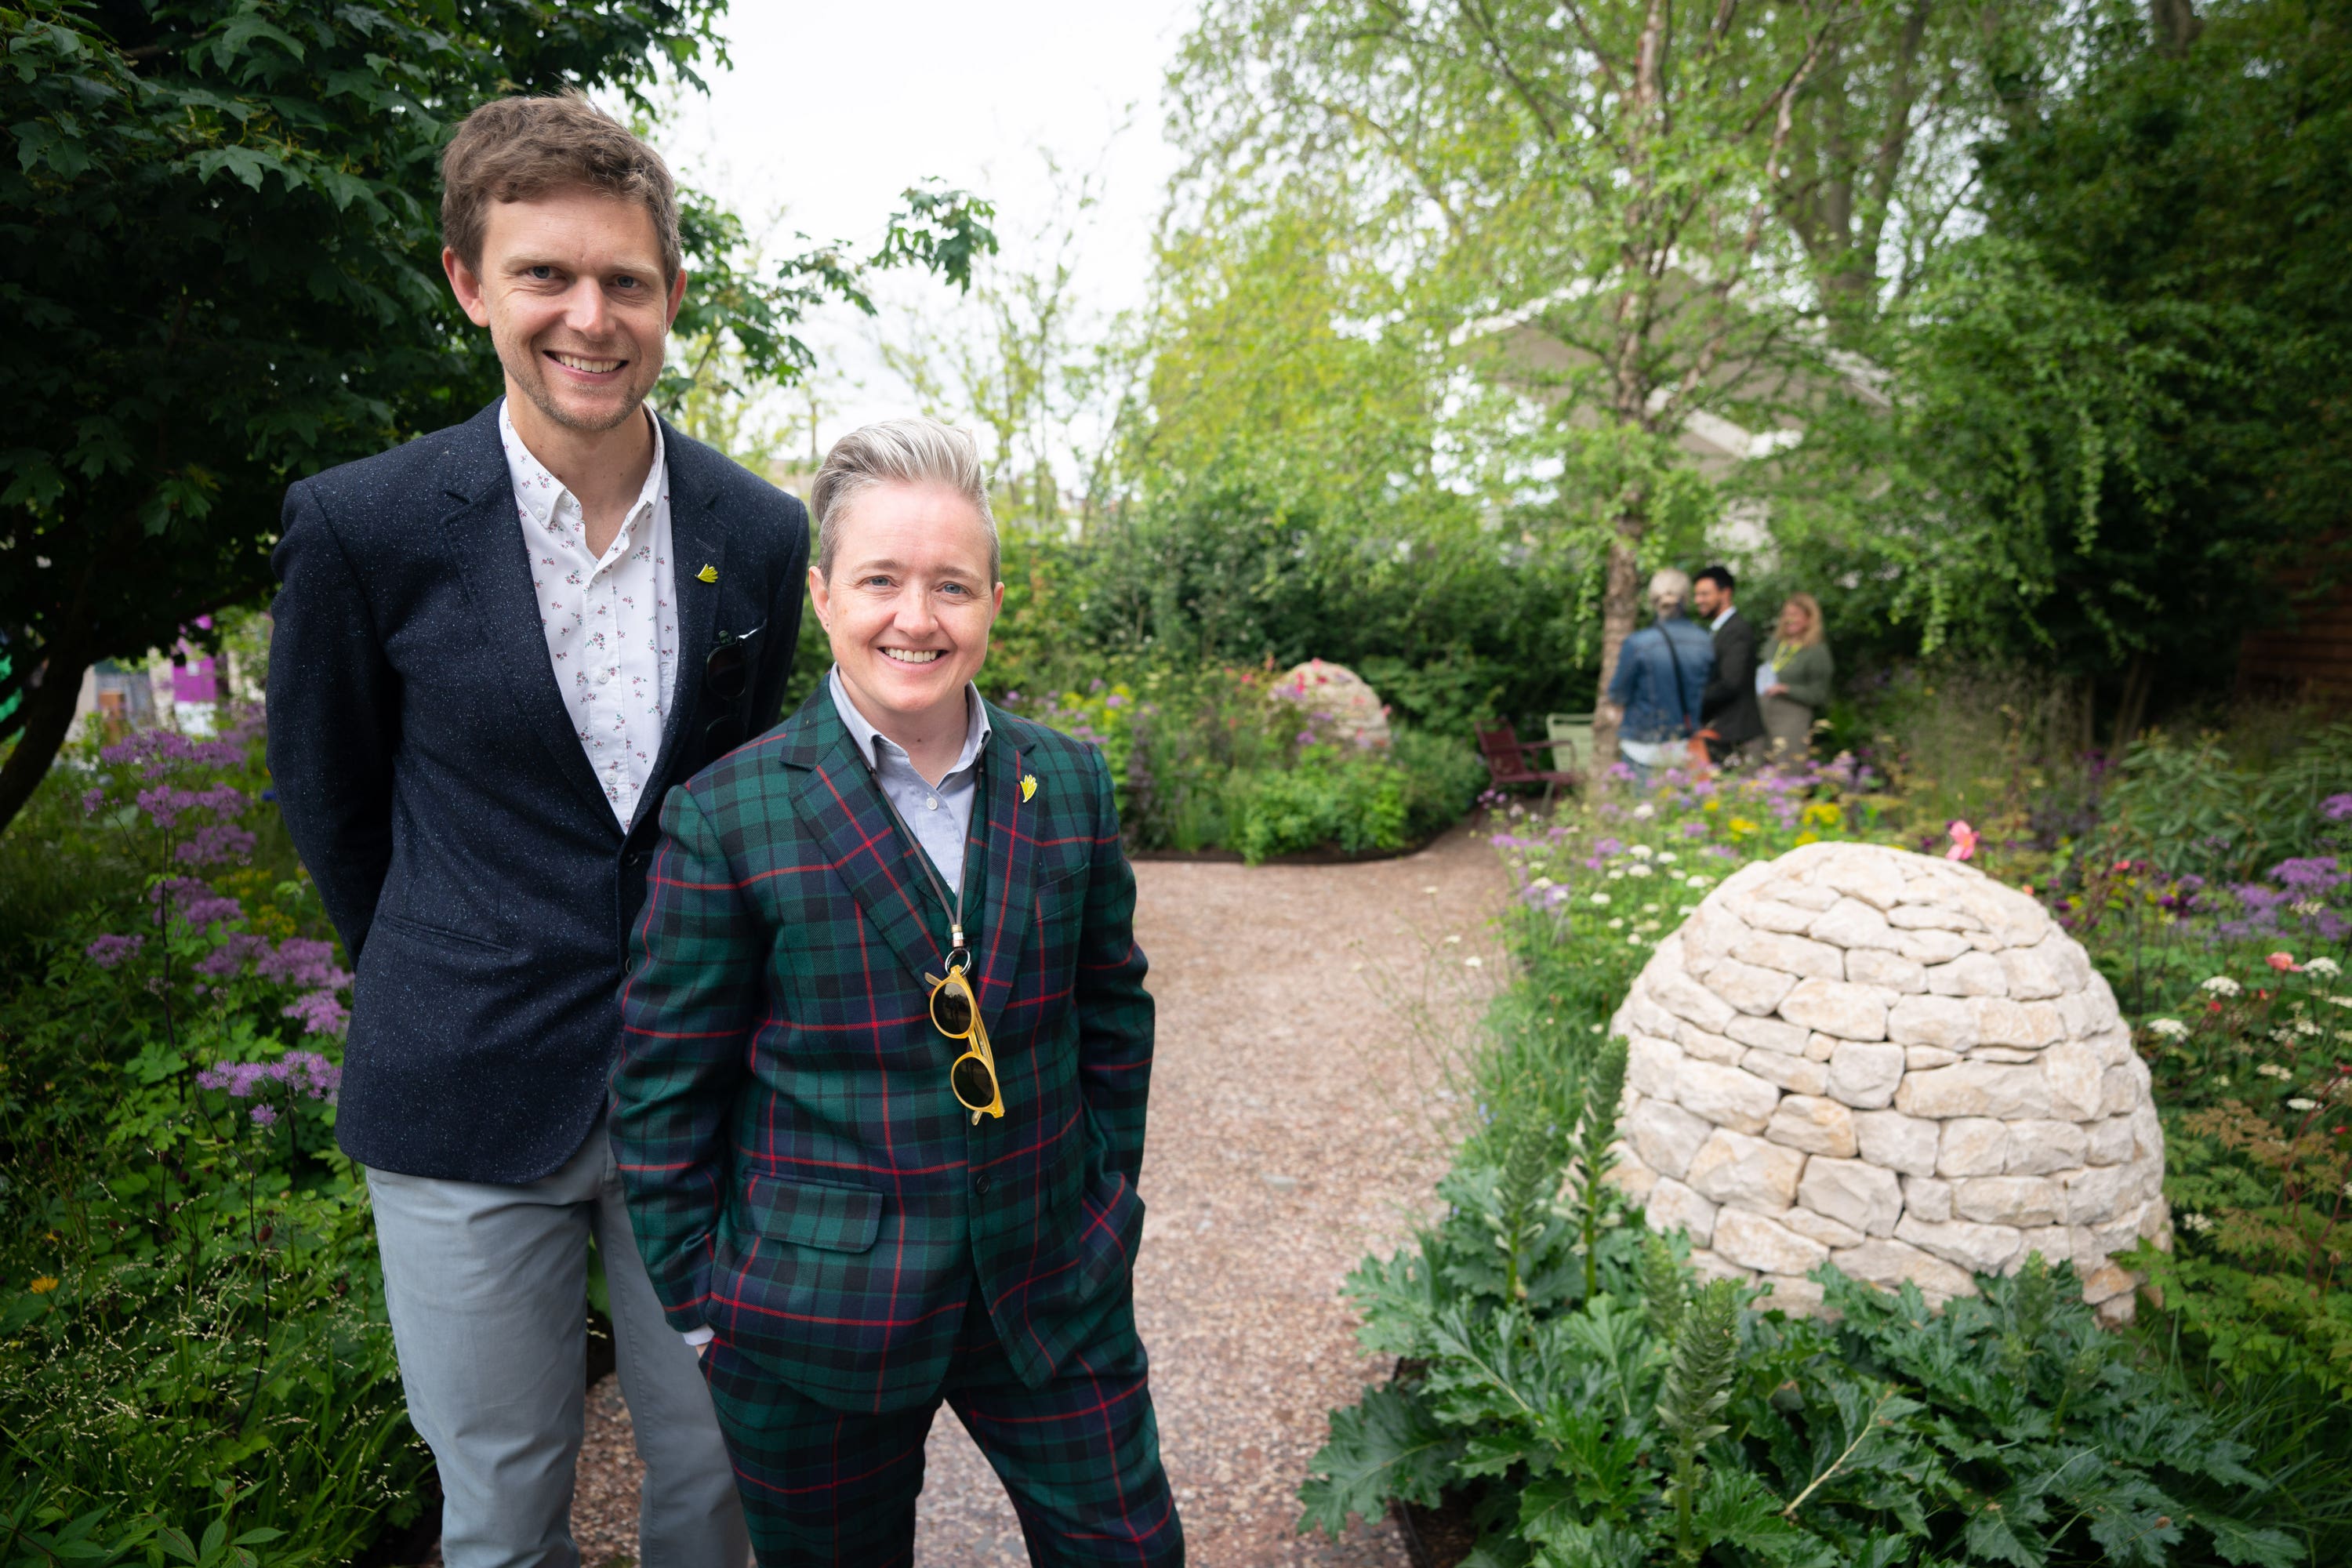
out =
column 1621, row 596
column 2131, row 710
column 2176, row 26
column 49, row 699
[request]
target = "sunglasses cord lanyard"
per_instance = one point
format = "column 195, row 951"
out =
column 977, row 1036
column 922, row 859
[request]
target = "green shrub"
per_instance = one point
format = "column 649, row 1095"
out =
column 1569, row 1377
column 2193, row 809
column 1324, row 799
column 190, row 1301
column 1203, row 759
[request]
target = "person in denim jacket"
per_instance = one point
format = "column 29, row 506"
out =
column 1662, row 673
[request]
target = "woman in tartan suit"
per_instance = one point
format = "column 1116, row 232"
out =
column 853, row 1242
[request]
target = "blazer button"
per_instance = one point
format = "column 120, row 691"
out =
column 636, row 859
column 980, row 1184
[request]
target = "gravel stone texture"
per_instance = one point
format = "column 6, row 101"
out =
column 1967, row 1094
column 1300, row 1119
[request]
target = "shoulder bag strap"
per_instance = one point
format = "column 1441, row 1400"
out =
column 1675, row 660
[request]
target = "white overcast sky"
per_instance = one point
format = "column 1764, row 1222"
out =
column 830, row 110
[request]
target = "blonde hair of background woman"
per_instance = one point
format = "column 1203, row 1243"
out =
column 1814, row 629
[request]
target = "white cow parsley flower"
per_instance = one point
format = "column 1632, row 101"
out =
column 2222, row 985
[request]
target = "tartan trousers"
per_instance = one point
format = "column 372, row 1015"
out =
column 1080, row 1458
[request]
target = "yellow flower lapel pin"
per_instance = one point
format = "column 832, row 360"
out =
column 708, row 575
column 1028, row 785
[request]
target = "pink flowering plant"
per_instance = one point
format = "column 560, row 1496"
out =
column 186, row 1271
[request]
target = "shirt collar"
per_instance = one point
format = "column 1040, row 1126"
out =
column 875, row 746
column 540, row 493
column 1716, row 624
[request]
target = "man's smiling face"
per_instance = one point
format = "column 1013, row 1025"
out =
column 909, row 602
column 571, row 287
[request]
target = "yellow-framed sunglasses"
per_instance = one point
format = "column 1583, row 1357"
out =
column 955, row 1013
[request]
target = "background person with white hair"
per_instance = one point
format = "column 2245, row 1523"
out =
column 1660, row 677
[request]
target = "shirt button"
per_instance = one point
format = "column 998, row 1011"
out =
column 980, row 1184
column 932, row 802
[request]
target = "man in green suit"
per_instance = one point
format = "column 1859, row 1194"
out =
column 879, row 1106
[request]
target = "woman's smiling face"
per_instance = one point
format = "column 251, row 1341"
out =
column 909, row 600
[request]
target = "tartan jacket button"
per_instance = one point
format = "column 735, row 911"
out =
column 980, row 1184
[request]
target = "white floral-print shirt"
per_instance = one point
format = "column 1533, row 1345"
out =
column 611, row 623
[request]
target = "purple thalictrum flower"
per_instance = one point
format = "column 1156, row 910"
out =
column 302, row 961
column 111, row 950
column 197, row 903
column 321, row 1012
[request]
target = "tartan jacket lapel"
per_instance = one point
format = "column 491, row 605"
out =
column 833, row 794
column 1011, row 846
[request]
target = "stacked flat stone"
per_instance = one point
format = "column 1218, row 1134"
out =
column 1344, row 702
column 1864, row 1056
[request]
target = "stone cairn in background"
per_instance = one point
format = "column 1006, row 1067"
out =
column 1341, row 702
column 1860, row 1055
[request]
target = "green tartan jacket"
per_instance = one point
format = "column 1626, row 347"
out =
column 800, row 1174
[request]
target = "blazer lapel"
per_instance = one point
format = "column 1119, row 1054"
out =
column 1012, row 867
column 696, row 540
column 833, row 792
column 486, row 541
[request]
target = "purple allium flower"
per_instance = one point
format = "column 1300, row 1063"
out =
column 92, row 798
column 109, row 950
column 2337, row 807
column 264, row 1115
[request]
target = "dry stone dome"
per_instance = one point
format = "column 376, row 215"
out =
column 1860, row 1055
column 1339, row 700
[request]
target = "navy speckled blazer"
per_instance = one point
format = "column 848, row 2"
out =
column 435, row 787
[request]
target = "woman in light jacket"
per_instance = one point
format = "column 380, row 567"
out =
column 1794, row 680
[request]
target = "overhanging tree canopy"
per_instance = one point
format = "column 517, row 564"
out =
column 219, row 256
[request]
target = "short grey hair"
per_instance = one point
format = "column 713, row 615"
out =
column 915, row 451
column 1671, row 584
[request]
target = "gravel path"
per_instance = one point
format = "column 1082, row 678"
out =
column 1300, row 1120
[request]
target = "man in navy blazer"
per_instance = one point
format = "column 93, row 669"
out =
column 497, row 647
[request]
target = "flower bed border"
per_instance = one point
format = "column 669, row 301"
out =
column 1302, row 857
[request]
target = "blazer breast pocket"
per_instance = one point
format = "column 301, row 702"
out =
column 1062, row 894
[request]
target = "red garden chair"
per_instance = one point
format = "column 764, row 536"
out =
column 1507, row 758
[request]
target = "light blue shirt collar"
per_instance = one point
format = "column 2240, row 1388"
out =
column 876, row 747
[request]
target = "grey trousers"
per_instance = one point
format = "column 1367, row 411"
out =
column 487, row 1288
